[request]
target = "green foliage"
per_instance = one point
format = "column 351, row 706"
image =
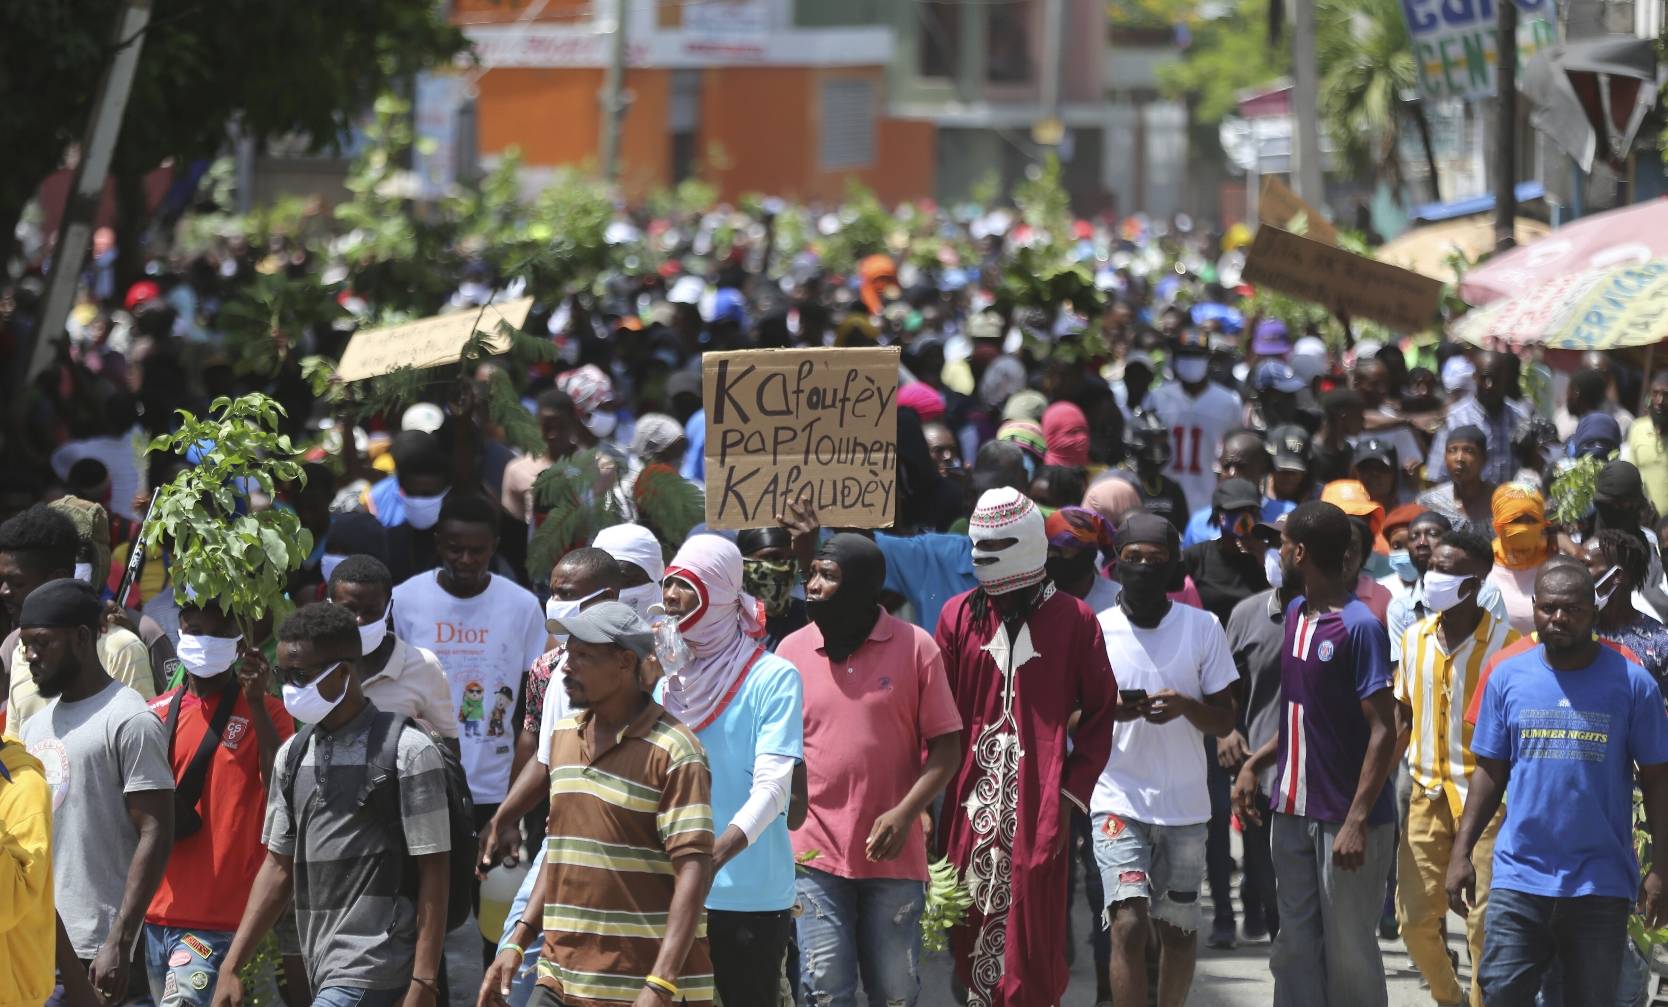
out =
column 947, row 903
column 270, row 315
column 865, row 225
column 575, row 508
column 1572, row 490
column 1228, row 54
column 668, row 505
column 241, row 560
column 1045, row 275
column 1366, row 64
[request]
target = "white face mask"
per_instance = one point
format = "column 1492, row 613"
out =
column 306, row 704
column 1605, row 588
column 1191, row 370
column 555, row 608
column 641, row 598
column 1272, row 569
column 328, row 563
column 371, row 635
column 207, row 656
column 84, row 572
column 1443, row 590
column 422, row 512
column 601, row 423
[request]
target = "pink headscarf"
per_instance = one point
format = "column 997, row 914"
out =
column 722, row 632
column 923, row 398
column 1112, row 498
column 1066, row 430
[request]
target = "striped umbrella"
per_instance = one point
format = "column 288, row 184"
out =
column 1593, row 309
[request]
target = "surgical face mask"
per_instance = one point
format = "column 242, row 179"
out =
column 641, row 598
column 372, row 634
column 1401, row 564
column 304, row 702
column 562, row 611
column 601, row 423
column 1443, row 590
column 84, row 572
column 422, row 512
column 1605, row 587
column 207, row 656
column 1272, row 569
column 329, row 563
column 1191, row 370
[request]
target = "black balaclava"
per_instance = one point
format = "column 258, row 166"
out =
column 849, row 615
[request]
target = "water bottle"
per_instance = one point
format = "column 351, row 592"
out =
column 669, row 646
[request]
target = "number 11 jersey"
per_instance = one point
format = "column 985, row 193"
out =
column 1197, row 427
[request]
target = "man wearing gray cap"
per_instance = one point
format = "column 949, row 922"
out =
column 630, row 838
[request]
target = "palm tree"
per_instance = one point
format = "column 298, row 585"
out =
column 1366, row 66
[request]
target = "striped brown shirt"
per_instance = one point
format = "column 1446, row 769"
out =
column 619, row 816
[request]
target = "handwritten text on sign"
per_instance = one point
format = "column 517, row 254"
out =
column 1346, row 283
column 801, row 425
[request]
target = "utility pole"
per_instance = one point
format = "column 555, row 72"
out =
column 75, row 228
column 1505, row 127
column 1306, row 154
column 613, row 93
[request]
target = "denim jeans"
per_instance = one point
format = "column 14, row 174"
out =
column 867, row 925
column 183, row 965
column 353, row 996
column 1327, row 951
column 1524, row 934
column 528, row 977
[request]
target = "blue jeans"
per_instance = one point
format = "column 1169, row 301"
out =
column 527, row 978
column 182, row 966
column 872, row 925
column 353, row 996
column 1524, row 934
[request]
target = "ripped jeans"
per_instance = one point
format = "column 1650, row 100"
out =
column 867, row 925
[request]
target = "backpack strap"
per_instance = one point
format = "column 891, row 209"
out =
column 382, row 750
column 189, row 788
column 292, row 763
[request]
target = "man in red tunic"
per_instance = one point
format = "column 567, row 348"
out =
column 1021, row 658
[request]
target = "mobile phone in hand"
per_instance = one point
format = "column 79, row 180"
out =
column 1132, row 696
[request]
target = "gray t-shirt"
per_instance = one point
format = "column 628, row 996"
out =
column 95, row 752
column 357, row 928
column 1256, row 636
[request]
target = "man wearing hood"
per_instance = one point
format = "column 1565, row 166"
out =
column 875, row 697
column 1016, row 625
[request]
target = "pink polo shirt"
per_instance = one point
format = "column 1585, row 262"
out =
column 867, row 722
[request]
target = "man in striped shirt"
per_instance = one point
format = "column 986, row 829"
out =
column 629, row 856
column 1334, row 833
column 1441, row 670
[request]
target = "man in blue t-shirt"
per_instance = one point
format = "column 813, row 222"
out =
column 1565, row 723
column 1334, row 831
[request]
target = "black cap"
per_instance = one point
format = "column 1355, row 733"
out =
column 1145, row 527
column 1468, row 433
column 1375, row 449
column 1289, row 444
column 62, row 603
column 1617, row 482
column 1235, row 494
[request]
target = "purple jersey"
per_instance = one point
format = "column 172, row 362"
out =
column 1330, row 664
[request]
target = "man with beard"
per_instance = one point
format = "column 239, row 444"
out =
column 1647, row 444
column 106, row 759
column 1010, row 950
column 875, row 698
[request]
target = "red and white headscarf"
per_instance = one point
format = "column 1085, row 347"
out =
column 723, row 631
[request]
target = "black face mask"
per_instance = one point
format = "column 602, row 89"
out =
column 849, row 614
column 1064, row 570
column 1146, row 586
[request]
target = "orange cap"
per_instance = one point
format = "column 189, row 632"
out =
column 1349, row 496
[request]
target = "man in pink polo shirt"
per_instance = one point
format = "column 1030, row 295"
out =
column 875, row 696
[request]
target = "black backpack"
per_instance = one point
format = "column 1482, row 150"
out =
column 382, row 792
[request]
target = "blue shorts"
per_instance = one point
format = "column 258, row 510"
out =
column 1162, row 864
column 183, row 965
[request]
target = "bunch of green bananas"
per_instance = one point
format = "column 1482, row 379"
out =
column 947, row 902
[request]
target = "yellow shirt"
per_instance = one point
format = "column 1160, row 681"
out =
column 1436, row 687
column 123, row 655
column 1645, row 450
column 28, row 929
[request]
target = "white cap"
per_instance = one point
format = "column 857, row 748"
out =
column 687, row 290
column 424, row 416
column 635, row 544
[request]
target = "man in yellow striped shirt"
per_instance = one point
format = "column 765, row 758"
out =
column 1441, row 666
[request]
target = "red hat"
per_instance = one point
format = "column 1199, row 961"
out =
column 139, row 293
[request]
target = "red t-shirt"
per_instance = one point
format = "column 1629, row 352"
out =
column 1521, row 645
column 210, row 873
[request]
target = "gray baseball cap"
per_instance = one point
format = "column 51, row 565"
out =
column 608, row 622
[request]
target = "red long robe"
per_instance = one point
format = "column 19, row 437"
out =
column 1001, row 816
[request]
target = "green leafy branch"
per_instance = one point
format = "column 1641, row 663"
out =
column 222, row 550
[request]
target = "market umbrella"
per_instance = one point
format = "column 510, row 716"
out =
column 1426, row 249
column 1594, row 309
column 1627, row 236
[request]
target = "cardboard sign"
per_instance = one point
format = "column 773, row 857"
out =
column 1454, row 42
column 1346, row 283
column 1278, row 205
column 801, row 425
column 429, row 342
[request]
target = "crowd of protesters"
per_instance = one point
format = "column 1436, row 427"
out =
column 1158, row 571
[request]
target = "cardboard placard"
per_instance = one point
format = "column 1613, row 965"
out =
column 427, row 342
column 1346, row 283
column 1277, row 204
column 817, row 425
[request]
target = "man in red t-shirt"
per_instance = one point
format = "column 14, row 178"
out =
column 190, row 922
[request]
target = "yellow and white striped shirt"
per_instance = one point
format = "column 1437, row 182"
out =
column 1436, row 687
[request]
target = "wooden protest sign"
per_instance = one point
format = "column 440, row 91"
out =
column 1279, row 205
column 1347, row 284
column 428, row 342
column 812, row 425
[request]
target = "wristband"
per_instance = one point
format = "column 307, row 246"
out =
column 662, row 985
column 430, row 983
column 520, row 952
